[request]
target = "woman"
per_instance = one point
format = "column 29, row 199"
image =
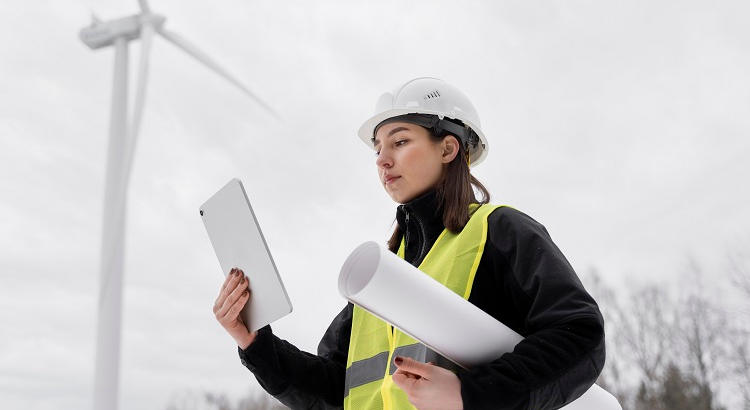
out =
column 426, row 135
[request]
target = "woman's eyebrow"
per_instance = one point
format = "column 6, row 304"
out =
column 376, row 141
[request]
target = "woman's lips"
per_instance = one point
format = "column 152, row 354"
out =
column 389, row 180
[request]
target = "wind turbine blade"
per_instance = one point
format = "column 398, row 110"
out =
column 189, row 48
column 144, row 6
column 147, row 35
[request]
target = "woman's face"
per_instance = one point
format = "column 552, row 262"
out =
column 409, row 162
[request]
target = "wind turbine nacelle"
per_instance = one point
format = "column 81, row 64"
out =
column 102, row 34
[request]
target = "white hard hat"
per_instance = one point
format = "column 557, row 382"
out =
column 426, row 95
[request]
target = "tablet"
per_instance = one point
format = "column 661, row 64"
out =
column 238, row 242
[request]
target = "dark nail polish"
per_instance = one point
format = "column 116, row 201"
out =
column 398, row 360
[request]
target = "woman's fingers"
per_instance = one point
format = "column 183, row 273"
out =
column 231, row 281
column 407, row 374
column 409, row 365
column 404, row 380
column 234, row 311
column 232, row 316
column 232, row 297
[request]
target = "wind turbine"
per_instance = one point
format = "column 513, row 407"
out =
column 122, row 140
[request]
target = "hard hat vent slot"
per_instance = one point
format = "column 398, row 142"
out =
column 432, row 94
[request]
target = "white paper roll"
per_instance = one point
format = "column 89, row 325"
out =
column 390, row 288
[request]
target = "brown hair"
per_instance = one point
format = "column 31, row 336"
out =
column 454, row 193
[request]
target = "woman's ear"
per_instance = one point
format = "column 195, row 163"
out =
column 450, row 148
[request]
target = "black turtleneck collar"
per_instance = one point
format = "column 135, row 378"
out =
column 421, row 222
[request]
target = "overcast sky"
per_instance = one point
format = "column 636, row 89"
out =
column 623, row 127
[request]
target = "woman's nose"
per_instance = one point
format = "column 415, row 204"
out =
column 383, row 160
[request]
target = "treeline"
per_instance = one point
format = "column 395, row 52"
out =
column 192, row 400
column 679, row 345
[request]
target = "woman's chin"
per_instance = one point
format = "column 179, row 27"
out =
column 400, row 197
column 395, row 196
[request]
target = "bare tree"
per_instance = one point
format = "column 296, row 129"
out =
column 260, row 401
column 741, row 368
column 665, row 352
column 704, row 347
column 739, row 268
column 646, row 331
column 612, row 377
column 639, row 341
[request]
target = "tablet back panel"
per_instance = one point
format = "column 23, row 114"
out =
column 238, row 242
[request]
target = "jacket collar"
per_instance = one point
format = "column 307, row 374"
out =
column 421, row 222
column 424, row 209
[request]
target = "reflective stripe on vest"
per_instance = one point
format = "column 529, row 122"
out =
column 452, row 261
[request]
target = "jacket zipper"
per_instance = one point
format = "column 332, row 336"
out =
column 406, row 234
column 424, row 240
column 421, row 230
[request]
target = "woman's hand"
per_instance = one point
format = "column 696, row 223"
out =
column 428, row 387
column 233, row 295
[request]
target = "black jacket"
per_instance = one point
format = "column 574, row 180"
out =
column 523, row 280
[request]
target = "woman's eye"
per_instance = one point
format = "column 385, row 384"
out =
column 401, row 142
column 377, row 153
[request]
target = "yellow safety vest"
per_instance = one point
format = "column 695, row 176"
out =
column 452, row 261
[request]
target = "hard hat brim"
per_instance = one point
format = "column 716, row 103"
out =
column 367, row 130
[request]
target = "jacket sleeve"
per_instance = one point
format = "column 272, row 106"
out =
column 298, row 379
column 536, row 293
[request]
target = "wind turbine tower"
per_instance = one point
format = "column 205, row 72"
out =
column 123, row 133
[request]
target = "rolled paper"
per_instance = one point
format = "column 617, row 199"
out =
column 390, row 288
